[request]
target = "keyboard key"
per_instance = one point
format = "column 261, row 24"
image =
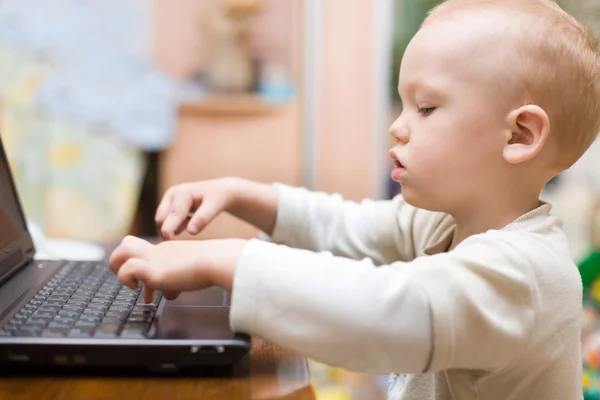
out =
column 97, row 307
column 140, row 318
column 73, row 308
column 133, row 335
column 82, row 297
column 58, row 325
column 125, row 304
column 135, row 330
column 56, row 303
column 27, row 333
column 77, row 303
column 68, row 314
column 54, row 333
column 81, row 332
column 121, row 309
column 28, row 330
column 62, row 292
column 113, row 320
column 101, row 295
column 39, row 321
column 99, row 302
column 64, row 320
column 94, row 313
column 154, row 302
column 13, row 325
column 85, row 324
column 82, row 292
column 129, row 297
column 137, row 312
column 47, row 308
column 108, row 330
column 90, row 319
column 62, row 298
column 20, row 317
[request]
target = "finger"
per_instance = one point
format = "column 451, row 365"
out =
column 164, row 207
column 207, row 211
column 133, row 271
column 148, row 293
column 183, row 225
column 171, row 295
column 130, row 247
column 180, row 208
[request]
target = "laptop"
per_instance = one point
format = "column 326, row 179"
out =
column 77, row 315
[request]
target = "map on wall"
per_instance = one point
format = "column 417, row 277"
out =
column 98, row 59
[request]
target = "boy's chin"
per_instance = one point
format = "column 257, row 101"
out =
column 420, row 200
column 412, row 197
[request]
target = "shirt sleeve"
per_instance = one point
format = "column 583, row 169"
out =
column 384, row 231
column 482, row 297
column 471, row 308
column 335, row 310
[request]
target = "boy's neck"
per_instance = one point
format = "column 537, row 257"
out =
column 493, row 213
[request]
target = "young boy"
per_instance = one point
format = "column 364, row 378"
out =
column 465, row 281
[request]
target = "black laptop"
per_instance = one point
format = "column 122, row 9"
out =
column 77, row 314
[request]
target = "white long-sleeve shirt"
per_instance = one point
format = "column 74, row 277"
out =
column 370, row 287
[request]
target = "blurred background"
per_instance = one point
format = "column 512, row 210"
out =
column 104, row 104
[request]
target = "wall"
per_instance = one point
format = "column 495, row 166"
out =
column 180, row 49
column 345, row 159
column 264, row 146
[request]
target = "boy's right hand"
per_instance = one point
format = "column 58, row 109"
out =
column 193, row 206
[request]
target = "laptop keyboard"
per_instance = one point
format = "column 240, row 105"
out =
column 84, row 300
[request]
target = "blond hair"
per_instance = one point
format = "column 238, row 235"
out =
column 558, row 67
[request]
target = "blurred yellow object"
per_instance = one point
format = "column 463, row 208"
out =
column 334, row 393
column 75, row 181
column 65, row 154
column 596, row 290
column 244, row 6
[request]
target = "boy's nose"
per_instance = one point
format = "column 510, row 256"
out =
column 399, row 131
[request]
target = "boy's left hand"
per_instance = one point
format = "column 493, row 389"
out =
column 176, row 266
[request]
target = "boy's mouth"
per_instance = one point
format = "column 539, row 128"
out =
column 395, row 160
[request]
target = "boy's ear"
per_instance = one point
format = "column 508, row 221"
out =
column 529, row 129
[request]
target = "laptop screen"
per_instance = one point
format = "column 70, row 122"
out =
column 12, row 223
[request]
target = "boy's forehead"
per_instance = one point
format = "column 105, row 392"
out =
column 473, row 44
column 462, row 35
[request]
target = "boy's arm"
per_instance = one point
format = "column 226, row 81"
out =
column 336, row 310
column 451, row 310
column 318, row 221
column 256, row 203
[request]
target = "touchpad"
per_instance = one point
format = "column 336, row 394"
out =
column 211, row 297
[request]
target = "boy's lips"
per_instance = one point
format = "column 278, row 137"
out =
column 399, row 169
column 397, row 162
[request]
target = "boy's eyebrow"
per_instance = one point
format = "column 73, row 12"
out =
column 412, row 87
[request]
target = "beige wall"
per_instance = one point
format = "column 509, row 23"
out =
column 263, row 146
column 180, row 49
column 345, row 161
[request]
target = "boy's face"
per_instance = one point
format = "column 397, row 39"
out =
column 449, row 137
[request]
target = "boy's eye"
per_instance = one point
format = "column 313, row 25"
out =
column 426, row 111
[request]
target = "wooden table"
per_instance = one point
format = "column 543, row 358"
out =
column 269, row 372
